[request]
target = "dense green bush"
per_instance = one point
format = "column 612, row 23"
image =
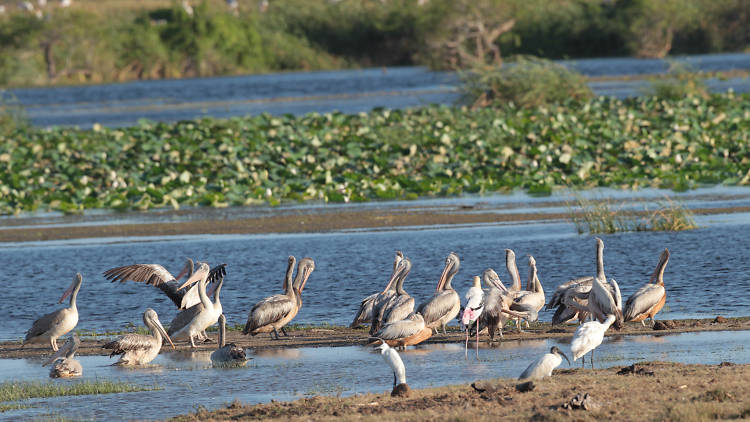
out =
column 433, row 151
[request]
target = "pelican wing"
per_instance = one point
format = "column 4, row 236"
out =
column 184, row 317
column 562, row 289
column 440, row 304
column 153, row 274
column 365, row 310
column 643, row 300
column 400, row 308
column 268, row 310
column 216, row 273
column 129, row 342
column 45, row 322
column 400, row 329
column 601, row 302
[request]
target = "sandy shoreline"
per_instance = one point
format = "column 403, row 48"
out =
column 341, row 336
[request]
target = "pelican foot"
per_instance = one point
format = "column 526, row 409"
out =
column 209, row 340
column 284, row 331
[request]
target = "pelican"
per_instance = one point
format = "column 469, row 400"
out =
column 571, row 300
column 396, row 307
column 531, row 299
column 158, row 276
column 601, row 300
column 473, row 310
column 274, row 312
column 227, row 355
column 391, row 357
column 408, row 332
column 588, row 336
column 445, row 303
column 193, row 321
column 140, row 349
column 649, row 299
column 56, row 324
column 515, row 276
column 65, row 367
column 305, row 266
column 543, row 366
column 365, row 307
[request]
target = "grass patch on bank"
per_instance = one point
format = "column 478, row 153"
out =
column 13, row 390
column 12, row 406
column 607, row 216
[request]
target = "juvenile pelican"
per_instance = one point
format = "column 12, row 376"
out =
column 140, row 349
column 391, row 357
column 227, row 355
column 382, row 298
column 398, row 306
column 533, row 297
column 365, row 307
column 445, row 303
column 158, row 276
column 193, row 321
column 274, row 312
column 588, row 337
column 649, row 299
column 65, row 367
column 543, row 366
column 408, row 332
column 56, row 324
column 473, row 310
column 496, row 300
column 601, row 301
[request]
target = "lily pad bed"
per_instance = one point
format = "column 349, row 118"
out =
column 384, row 154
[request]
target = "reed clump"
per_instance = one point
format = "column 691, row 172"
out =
column 607, row 216
column 14, row 390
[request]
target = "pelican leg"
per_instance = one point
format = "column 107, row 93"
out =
column 466, row 345
column 206, row 338
column 271, row 334
column 394, row 380
column 284, row 331
column 192, row 342
column 583, row 362
column 643, row 322
column 444, row 332
column 276, row 333
column 592, row 359
column 53, row 343
column 477, row 339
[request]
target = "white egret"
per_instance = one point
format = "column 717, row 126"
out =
column 588, row 336
column 391, row 357
column 543, row 366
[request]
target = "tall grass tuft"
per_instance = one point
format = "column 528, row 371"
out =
column 13, row 390
column 681, row 81
column 604, row 216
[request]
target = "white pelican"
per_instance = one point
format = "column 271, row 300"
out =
column 274, row 312
column 532, row 298
column 397, row 306
column 408, row 332
column 365, row 307
column 601, row 301
column 588, row 336
column 227, row 355
column 473, row 310
column 445, row 303
column 65, row 367
column 158, row 276
column 391, row 357
column 193, row 321
column 56, row 324
column 140, row 349
column 515, row 276
column 649, row 299
column 543, row 366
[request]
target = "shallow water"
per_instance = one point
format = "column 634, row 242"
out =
column 707, row 275
column 187, row 380
column 348, row 91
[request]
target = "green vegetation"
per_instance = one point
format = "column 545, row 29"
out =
column 12, row 406
column 13, row 390
column 604, row 216
column 116, row 40
column 384, row 154
column 679, row 82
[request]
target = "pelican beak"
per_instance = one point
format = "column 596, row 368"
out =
column 444, row 275
column 307, row 271
column 563, row 355
column 396, row 272
column 183, row 272
column 198, row 275
column 163, row 332
column 69, row 290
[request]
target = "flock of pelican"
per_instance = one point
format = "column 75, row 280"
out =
column 394, row 319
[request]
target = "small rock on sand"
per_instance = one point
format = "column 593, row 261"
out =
column 401, row 390
column 720, row 320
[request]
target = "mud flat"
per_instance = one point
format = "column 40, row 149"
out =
column 333, row 336
column 645, row 391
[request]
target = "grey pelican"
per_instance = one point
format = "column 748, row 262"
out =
column 391, row 357
column 140, row 349
column 193, row 321
column 473, row 310
column 56, row 324
column 274, row 312
column 543, row 366
column 601, row 301
column 365, row 307
column 396, row 307
column 408, row 332
column 515, row 276
column 649, row 299
column 158, row 276
column 532, row 298
column 305, row 266
column 571, row 300
column 588, row 336
column 65, row 367
column 497, row 299
column 227, row 355
column 445, row 303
